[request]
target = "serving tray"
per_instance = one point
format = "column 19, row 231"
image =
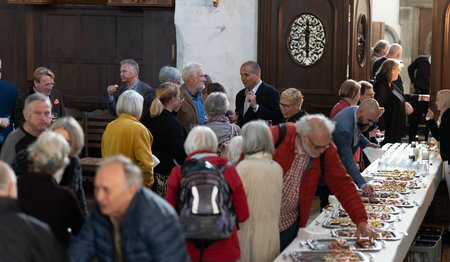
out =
column 301, row 256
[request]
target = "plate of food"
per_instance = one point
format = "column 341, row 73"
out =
column 347, row 222
column 338, row 255
column 340, row 243
column 382, row 234
column 374, row 208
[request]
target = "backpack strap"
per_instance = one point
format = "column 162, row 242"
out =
column 281, row 134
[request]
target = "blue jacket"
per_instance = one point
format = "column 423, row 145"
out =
column 8, row 99
column 343, row 137
column 149, row 230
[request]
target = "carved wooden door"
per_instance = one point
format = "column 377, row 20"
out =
column 359, row 58
column 305, row 44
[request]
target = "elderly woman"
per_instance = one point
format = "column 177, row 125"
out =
column 291, row 101
column 69, row 128
column 202, row 143
column 170, row 74
column 167, row 133
column 263, row 181
column 216, row 106
column 39, row 193
column 440, row 128
column 349, row 92
column 127, row 136
column 393, row 122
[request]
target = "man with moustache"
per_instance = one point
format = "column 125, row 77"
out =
column 307, row 154
column 192, row 112
column 351, row 122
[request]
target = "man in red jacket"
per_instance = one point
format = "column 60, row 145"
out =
column 299, row 156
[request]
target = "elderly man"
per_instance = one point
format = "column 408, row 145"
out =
column 128, row 222
column 192, row 112
column 129, row 75
column 170, row 74
column 23, row 238
column 351, row 122
column 7, row 107
column 126, row 135
column 307, row 154
column 44, row 81
column 257, row 100
column 38, row 117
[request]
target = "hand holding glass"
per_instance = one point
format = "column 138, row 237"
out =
column 379, row 137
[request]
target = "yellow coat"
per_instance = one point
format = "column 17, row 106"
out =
column 127, row 136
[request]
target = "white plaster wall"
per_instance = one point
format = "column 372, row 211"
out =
column 387, row 11
column 220, row 38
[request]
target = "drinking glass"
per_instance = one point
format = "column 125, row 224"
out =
column 379, row 137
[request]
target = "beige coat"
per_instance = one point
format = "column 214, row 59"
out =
column 263, row 182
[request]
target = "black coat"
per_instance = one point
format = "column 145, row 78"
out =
column 442, row 134
column 268, row 100
column 24, row 238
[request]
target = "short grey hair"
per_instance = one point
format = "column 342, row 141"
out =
column 132, row 63
column 170, row 74
column 315, row 123
column 7, row 176
column 216, row 104
column 36, row 97
column 234, row 150
column 257, row 138
column 76, row 135
column 133, row 174
column 50, row 152
column 190, row 69
column 130, row 102
column 201, row 138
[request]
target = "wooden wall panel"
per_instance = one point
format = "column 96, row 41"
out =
column 9, row 44
column 129, row 38
column 62, row 36
column 97, row 34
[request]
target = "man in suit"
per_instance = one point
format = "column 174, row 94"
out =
column 257, row 100
column 351, row 122
column 8, row 99
column 192, row 112
column 43, row 83
column 129, row 75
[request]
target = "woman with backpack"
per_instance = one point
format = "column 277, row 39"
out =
column 263, row 182
column 201, row 147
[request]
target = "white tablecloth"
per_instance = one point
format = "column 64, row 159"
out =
column 410, row 222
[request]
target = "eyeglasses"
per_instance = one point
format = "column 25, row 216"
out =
column 285, row 106
column 318, row 147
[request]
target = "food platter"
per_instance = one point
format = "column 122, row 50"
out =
column 382, row 234
column 384, row 217
column 340, row 255
column 373, row 208
column 340, row 243
column 347, row 222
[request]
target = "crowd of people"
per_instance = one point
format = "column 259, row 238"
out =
column 272, row 154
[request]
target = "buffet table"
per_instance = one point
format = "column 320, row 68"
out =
column 407, row 222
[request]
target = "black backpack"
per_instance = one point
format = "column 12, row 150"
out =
column 205, row 208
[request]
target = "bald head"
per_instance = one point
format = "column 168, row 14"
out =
column 395, row 51
column 367, row 113
column 7, row 181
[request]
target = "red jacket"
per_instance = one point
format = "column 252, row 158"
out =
column 335, row 176
column 224, row 250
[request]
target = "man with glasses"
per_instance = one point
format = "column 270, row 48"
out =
column 38, row 117
column 43, row 83
column 305, row 150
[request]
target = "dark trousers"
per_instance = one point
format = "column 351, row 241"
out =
column 417, row 117
column 288, row 235
column 324, row 193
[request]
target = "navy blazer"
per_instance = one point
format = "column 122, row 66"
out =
column 268, row 99
column 343, row 137
column 8, row 99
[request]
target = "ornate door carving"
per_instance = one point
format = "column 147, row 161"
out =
column 305, row 44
